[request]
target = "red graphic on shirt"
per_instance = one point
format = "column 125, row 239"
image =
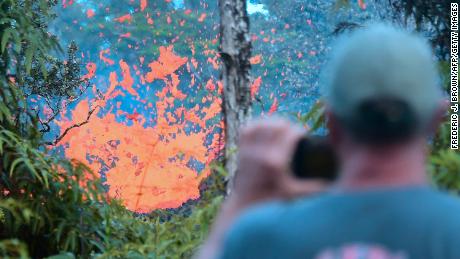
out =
column 360, row 251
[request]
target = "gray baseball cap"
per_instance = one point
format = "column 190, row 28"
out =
column 381, row 61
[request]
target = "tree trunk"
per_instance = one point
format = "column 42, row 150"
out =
column 235, row 51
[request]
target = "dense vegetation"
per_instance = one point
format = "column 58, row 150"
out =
column 51, row 206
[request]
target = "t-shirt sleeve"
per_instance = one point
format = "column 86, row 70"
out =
column 250, row 233
column 232, row 247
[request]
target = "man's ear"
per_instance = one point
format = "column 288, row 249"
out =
column 438, row 117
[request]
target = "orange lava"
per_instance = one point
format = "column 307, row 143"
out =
column 202, row 17
column 66, row 3
column 256, row 59
column 256, row 86
column 105, row 59
column 147, row 167
column 128, row 81
column 143, row 4
column 274, row 106
column 125, row 18
column 90, row 13
column 91, row 67
column 361, row 4
column 166, row 65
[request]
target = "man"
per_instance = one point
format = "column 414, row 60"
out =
column 382, row 104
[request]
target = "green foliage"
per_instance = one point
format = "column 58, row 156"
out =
column 24, row 40
column 429, row 16
column 446, row 169
column 314, row 119
column 59, row 79
column 164, row 234
column 28, row 60
column 13, row 248
column 444, row 163
column 52, row 205
column 47, row 203
column 55, row 207
column 25, row 32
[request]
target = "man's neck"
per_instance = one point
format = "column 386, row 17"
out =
column 365, row 168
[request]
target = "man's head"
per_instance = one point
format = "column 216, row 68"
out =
column 381, row 87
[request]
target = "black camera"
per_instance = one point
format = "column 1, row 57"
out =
column 315, row 158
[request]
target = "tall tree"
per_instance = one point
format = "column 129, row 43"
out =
column 235, row 52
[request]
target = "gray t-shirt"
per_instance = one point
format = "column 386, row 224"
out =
column 396, row 223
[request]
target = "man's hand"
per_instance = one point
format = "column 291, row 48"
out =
column 266, row 148
column 265, row 151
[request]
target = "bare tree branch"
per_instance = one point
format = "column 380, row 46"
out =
column 58, row 139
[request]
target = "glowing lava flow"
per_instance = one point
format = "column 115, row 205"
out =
column 147, row 167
